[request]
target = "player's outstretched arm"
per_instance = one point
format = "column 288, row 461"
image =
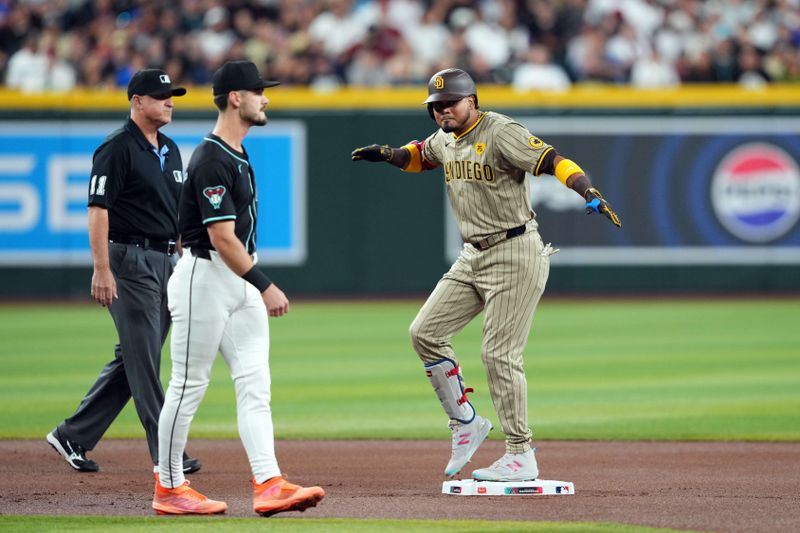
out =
column 399, row 157
column 571, row 175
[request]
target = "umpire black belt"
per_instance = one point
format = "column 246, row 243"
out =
column 166, row 247
column 491, row 240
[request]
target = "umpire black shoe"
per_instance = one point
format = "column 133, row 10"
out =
column 190, row 464
column 72, row 452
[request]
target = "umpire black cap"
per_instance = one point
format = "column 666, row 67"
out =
column 239, row 76
column 153, row 82
column 450, row 84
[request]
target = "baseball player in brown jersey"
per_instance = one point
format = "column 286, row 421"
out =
column 502, row 268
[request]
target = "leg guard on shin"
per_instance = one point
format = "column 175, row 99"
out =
column 445, row 377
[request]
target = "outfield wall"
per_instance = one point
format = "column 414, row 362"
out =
column 706, row 181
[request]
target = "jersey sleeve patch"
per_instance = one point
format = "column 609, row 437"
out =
column 535, row 142
column 214, row 195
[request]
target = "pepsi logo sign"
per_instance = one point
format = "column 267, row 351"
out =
column 755, row 192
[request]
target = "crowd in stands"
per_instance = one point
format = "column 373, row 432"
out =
column 55, row 45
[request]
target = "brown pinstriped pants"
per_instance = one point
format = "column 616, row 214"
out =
column 506, row 281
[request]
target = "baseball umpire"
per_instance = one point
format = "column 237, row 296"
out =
column 219, row 301
column 136, row 180
column 502, row 268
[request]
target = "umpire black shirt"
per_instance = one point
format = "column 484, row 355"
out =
column 139, row 187
column 220, row 185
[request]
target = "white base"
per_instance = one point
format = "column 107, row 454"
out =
column 540, row 487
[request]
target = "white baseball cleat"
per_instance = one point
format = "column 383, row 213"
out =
column 510, row 467
column 466, row 440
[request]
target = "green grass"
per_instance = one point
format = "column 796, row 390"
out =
column 41, row 524
column 610, row 370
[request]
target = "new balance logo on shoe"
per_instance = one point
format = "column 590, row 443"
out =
column 510, row 467
column 514, row 466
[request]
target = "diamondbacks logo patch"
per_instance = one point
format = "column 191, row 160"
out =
column 214, row 195
column 535, row 142
column 438, row 82
column 480, row 147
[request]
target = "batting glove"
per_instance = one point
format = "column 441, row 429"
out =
column 596, row 204
column 373, row 152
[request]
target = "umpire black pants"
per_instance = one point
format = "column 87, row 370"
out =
column 142, row 320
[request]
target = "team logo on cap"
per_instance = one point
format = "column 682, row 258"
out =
column 164, row 78
column 438, row 82
column 480, row 147
column 755, row 192
column 214, row 195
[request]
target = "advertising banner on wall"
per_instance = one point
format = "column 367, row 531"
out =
column 44, row 180
column 690, row 191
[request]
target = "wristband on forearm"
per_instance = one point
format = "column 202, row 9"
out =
column 566, row 168
column 257, row 279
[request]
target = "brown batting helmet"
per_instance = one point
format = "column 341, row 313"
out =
column 450, row 84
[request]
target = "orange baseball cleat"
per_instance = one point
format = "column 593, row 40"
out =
column 277, row 495
column 184, row 500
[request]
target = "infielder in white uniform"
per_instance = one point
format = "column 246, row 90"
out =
column 219, row 301
column 502, row 269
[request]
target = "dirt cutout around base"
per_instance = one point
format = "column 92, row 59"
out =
column 703, row 486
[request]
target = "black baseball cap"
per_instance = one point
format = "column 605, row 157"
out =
column 153, row 82
column 239, row 76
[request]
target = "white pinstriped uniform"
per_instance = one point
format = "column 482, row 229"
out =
column 485, row 175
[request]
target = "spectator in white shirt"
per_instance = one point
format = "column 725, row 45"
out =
column 651, row 71
column 27, row 67
column 216, row 38
column 540, row 73
column 337, row 29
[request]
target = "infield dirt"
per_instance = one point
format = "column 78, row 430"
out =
column 703, row 486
